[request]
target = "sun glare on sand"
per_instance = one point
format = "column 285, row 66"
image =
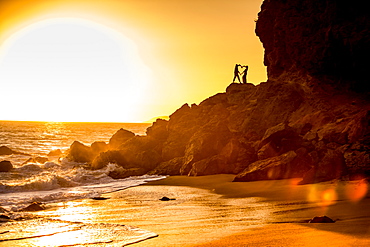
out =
column 71, row 69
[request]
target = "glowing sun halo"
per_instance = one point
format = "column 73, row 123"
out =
column 68, row 69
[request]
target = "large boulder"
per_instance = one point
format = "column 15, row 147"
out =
column 158, row 130
column 171, row 167
column 79, row 152
column 98, row 147
column 138, row 152
column 288, row 165
column 107, row 157
column 119, row 138
column 181, row 127
column 280, row 139
column 205, row 143
column 212, row 165
column 5, row 166
column 238, row 154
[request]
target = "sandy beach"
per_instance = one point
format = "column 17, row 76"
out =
column 213, row 211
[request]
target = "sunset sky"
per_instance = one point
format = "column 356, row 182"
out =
column 121, row 60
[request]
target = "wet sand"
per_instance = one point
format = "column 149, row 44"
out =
column 213, row 211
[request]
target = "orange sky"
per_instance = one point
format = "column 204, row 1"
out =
column 185, row 51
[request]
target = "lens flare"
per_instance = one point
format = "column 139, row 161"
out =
column 329, row 197
column 357, row 190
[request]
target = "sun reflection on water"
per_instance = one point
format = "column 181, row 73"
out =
column 74, row 211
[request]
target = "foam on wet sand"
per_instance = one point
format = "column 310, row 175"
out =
column 213, row 211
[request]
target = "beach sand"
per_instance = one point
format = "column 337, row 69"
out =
column 213, row 211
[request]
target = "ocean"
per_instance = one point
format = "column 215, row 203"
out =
column 57, row 180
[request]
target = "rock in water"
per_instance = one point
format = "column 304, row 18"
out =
column 5, row 150
column 120, row 137
column 37, row 159
column 35, row 206
column 321, row 219
column 78, row 152
column 56, row 152
column 5, row 166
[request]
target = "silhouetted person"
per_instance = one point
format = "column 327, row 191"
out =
column 245, row 72
column 236, row 73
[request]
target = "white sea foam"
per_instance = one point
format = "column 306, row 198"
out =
column 56, row 180
column 76, row 184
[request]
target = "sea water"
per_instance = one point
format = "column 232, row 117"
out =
column 58, row 179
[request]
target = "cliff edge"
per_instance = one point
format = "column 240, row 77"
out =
column 310, row 120
column 317, row 42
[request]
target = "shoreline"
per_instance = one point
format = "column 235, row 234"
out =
column 213, row 211
column 253, row 213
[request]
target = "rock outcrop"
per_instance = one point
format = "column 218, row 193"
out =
column 309, row 120
column 316, row 42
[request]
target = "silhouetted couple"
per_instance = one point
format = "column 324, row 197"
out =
column 237, row 73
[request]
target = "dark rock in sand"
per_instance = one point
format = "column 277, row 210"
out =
column 35, row 206
column 165, row 199
column 5, row 166
column 119, row 138
column 99, row 198
column 321, row 219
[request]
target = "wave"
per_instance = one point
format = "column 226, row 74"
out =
column 54, row 182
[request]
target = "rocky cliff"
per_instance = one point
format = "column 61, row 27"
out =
column 316, row 41
column 309, row 120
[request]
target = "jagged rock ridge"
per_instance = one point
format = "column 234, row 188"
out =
column 306, row 121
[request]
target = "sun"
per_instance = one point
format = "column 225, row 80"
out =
column 72, row 69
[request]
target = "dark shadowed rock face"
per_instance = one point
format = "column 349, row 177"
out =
column 323, row 39
column 315, row 136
